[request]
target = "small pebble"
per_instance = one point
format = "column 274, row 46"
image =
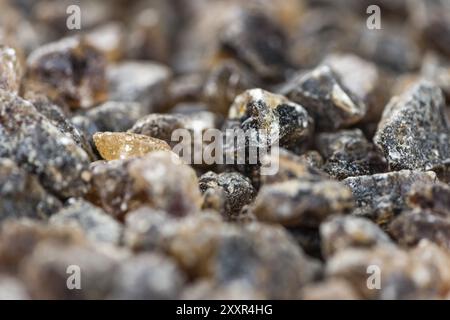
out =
column 302, row 203
column 380, row 197
column 124, row 145
column 69, row 71
column 326, row 99
column 347, row 153
column 414, row 132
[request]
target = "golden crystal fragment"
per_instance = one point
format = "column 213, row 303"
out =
column 124, row 145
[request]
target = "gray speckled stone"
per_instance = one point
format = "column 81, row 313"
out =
column 41, row 148
column 21, row 194
column 325, row 98
column 414, row 132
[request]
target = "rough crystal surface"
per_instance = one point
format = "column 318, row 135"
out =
column 347, row 153
column 282, row 120
column 232, row 189
column 21, row 194
column 414, row 132
column 69, row 71
column 36, row 144
column 124, row 145
column 302, row 203
column 343, row 232
column 380, row 197
column 328, row 101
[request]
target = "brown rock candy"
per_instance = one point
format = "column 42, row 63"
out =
column 22, row 195
column 292, row 166
column 93, row 221
column 20, row 31
column 137, row 81
column 35, row 144
column 112, row 116
column 429, row 218
column 192, row 108
column 256, row 40
column 263, row 256
column 414, row 132
column 58, row 117
column 224, row 83
column 313, row 159
column 342, row 232
column 158, row 179
column 186, row 87
column 162, row 126
column 436, row 68
column 363, row 79
column 326, row 99
column 124, row 145
column 147, row 276
column 443, row 170
column 287, row 13
column 347, row 153
column 320, row 32
column 414, row 225
column 20, row 237
column 380, row 197
column 112, row 187
column 231, row 189
column 420, row 273
column 393, row 47
column 197, row 45
column 10, row 70
column 144, row 228
column 284, row 122
column 108, row 39
column 152, row 30
column 68, row 71
column 184, row 132
column 45, row 272
column 435, row 197
column 302, row 203
column 166, row 182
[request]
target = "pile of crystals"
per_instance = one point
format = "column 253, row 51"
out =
column 96, row 202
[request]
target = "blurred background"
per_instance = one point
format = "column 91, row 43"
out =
column 193, row 34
